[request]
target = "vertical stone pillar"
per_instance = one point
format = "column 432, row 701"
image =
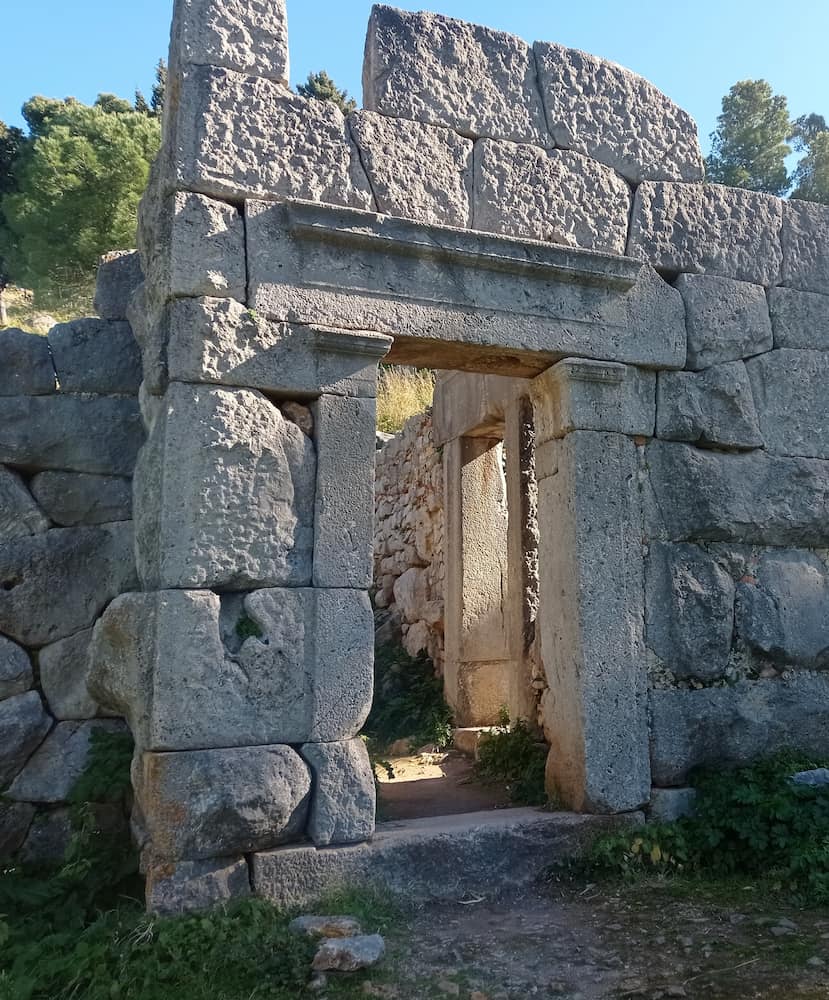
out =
column 591, row 611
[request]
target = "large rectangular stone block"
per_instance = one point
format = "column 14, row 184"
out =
column 95, row 355
column 708, row 229
column 27, row 365
column 71, row 498
column 799, row 319
column 806, row 246
column 224, row 493
column 440, row 71
column 344, row 796
column 553, row 195
column 454, row 299
column 790, row 391
column 119, row 274
column 289, row 666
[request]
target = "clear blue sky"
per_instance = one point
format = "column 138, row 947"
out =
column 692, row 51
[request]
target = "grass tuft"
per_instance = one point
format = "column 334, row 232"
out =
column 402, row 393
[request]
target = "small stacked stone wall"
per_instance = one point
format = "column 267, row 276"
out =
column 409, row 568
column 70, row 430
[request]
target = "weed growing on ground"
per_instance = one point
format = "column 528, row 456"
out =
column 513, row 756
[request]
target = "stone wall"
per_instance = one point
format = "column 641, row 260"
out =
column 70, row 430
column 409, row 566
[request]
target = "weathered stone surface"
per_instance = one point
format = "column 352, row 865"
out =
column 250, row 36
column 616, row 117
column 708, row 228
column 15, row 820
column 51, row 773
column 119, row 274
column 349, row 954
column 173, row 888
column 344, row 797
column 805, row 246
column 783, row 611
column 224, row 494
column 737, row 724
column 416, row 171
column 71, row 498
column 689, row 618
column 27, row 365
column 344, row 513
column 307, row 676
column 220, row 803
column 456, row 299
column 23, row 726
column 15, row 670
column 670, row 804
column 48, row 837
column 792, row 402
column 96, row 355
column 712, row 407
column 20, row 516
column 799, row 319
column 64, row 669
column 553, row 195
column 82, row 433
column 440, row 71
column 326, row 927
column 727, row 320
column 218, row 340
column 87, row 567
column 243, row 137
column 754, row 498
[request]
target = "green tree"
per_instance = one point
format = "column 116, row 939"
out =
column 12, row 142
column 811, row 176
column 155, row 106
column 322, row 87
column 748, row 147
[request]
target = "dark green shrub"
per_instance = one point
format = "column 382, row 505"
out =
column 514, row 756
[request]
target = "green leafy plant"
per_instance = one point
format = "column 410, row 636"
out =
column 513, row 756
column 246, row 628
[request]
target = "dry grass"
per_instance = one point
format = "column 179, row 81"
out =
column 25, row 313
column 401, row 393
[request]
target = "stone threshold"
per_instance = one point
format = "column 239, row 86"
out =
column 437, row 858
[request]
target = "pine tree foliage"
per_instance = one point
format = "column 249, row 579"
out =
column 322, row 87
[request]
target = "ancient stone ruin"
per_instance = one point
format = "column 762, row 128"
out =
column 634, row 444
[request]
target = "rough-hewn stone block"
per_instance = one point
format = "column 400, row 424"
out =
column 173, row 888
column 20, row 516
column 71, row 498
column 27, row 366
column 15, row 820
column 15, row 670
column 727, row 320
column 87, row 567
column 708, row 228
column 224, row 494
column 712, row 407
column 670, row 804
column 220, row 803
column 792, row 401
column 737, row 724
column 96, row 355
column 805, row 246
column 440, row 71
column 553, row 195
column 799, row 319
column 23, row 726
column 64, row 670
column 783, row 611
column 119, row 274
column 616, row 117
column 344, row 797
column 689, row 618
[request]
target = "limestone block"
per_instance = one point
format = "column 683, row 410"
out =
column 670, row 804
column 738, row 724
column 416, row 171
column 150, row 333
column 224, row 494
column 753, row 498
column 86, row 567
column 349, row 954
column 799, row 319
column 15, row 671
column 727, row 320
column 689, row 620
column 306, row 676
column 174, row 888
column 218, row 340
column 23, row 726
column 97, row 434
column 344, row 513
column 71, row 498
column 250, row 36
column 51, row 773
column 243, row 137
column 783, row 611
column 616, row 117
column 792, row 402
column 805, row 246
column 412, row 593
column 707, row 229
column 64, row 670
column 27, row 365
column 15, row 820
column 20, row 515
column 593, row 395
column 119, row 274
column 713, row 407
column 220, row 803
column 344, row 796
column 553, row 195
column 96, row 355
column 440, row 71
